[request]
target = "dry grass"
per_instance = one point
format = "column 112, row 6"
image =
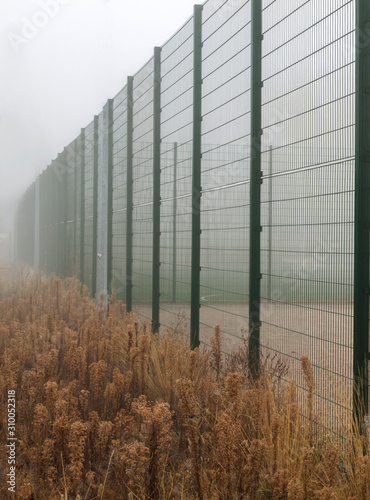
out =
column 106, row 410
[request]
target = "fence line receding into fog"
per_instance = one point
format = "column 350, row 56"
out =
column 228, row 183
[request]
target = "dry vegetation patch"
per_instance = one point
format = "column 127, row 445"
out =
column 107, row 410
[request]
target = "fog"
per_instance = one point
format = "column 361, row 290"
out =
column 61, row 61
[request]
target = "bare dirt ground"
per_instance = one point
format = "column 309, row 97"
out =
column 321, row 331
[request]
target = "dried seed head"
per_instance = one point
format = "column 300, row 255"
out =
column 281, row 480
column 308, row 372
column 295, row 490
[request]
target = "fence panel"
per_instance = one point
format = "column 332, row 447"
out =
column 119, row 194
column 176, row 177
column 308, row 188
column 69, row 200
column 142, row 244
column 26, row 227
column 55, row 250
column 77, row 205
column 89, row 202
column 225, row 171
column 45, row 221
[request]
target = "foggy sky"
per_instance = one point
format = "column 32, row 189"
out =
column 60, row 62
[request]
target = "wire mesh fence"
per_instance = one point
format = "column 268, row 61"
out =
column 119, row 224
column 176, row 177
column 244, row 122
column 308, row 117
column 142, row 190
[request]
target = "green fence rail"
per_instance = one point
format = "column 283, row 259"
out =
column 228, row 183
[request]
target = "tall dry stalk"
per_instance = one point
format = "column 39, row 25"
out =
column 190, row 415
column 255, row 467
column 227, row 452
column 217, row 350
column 310, row 381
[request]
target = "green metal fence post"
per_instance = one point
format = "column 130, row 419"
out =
column 362, row 215
column 53, row 251
column 174, row 225
column 15, row 238
column 75, row 198
column 64, row 216
column 130, row 106
column 46, row 221
column 50, row 220
column 95, row 205
column 196, row 178
column 19, row 233
column 156, row 188
column 110, row 198
column 34, row 224
column 50, row 262
column 41, row 217
column 82, row 223
column 255, row 191
column 269, row 267
column 37, row 224
column 59, row 243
